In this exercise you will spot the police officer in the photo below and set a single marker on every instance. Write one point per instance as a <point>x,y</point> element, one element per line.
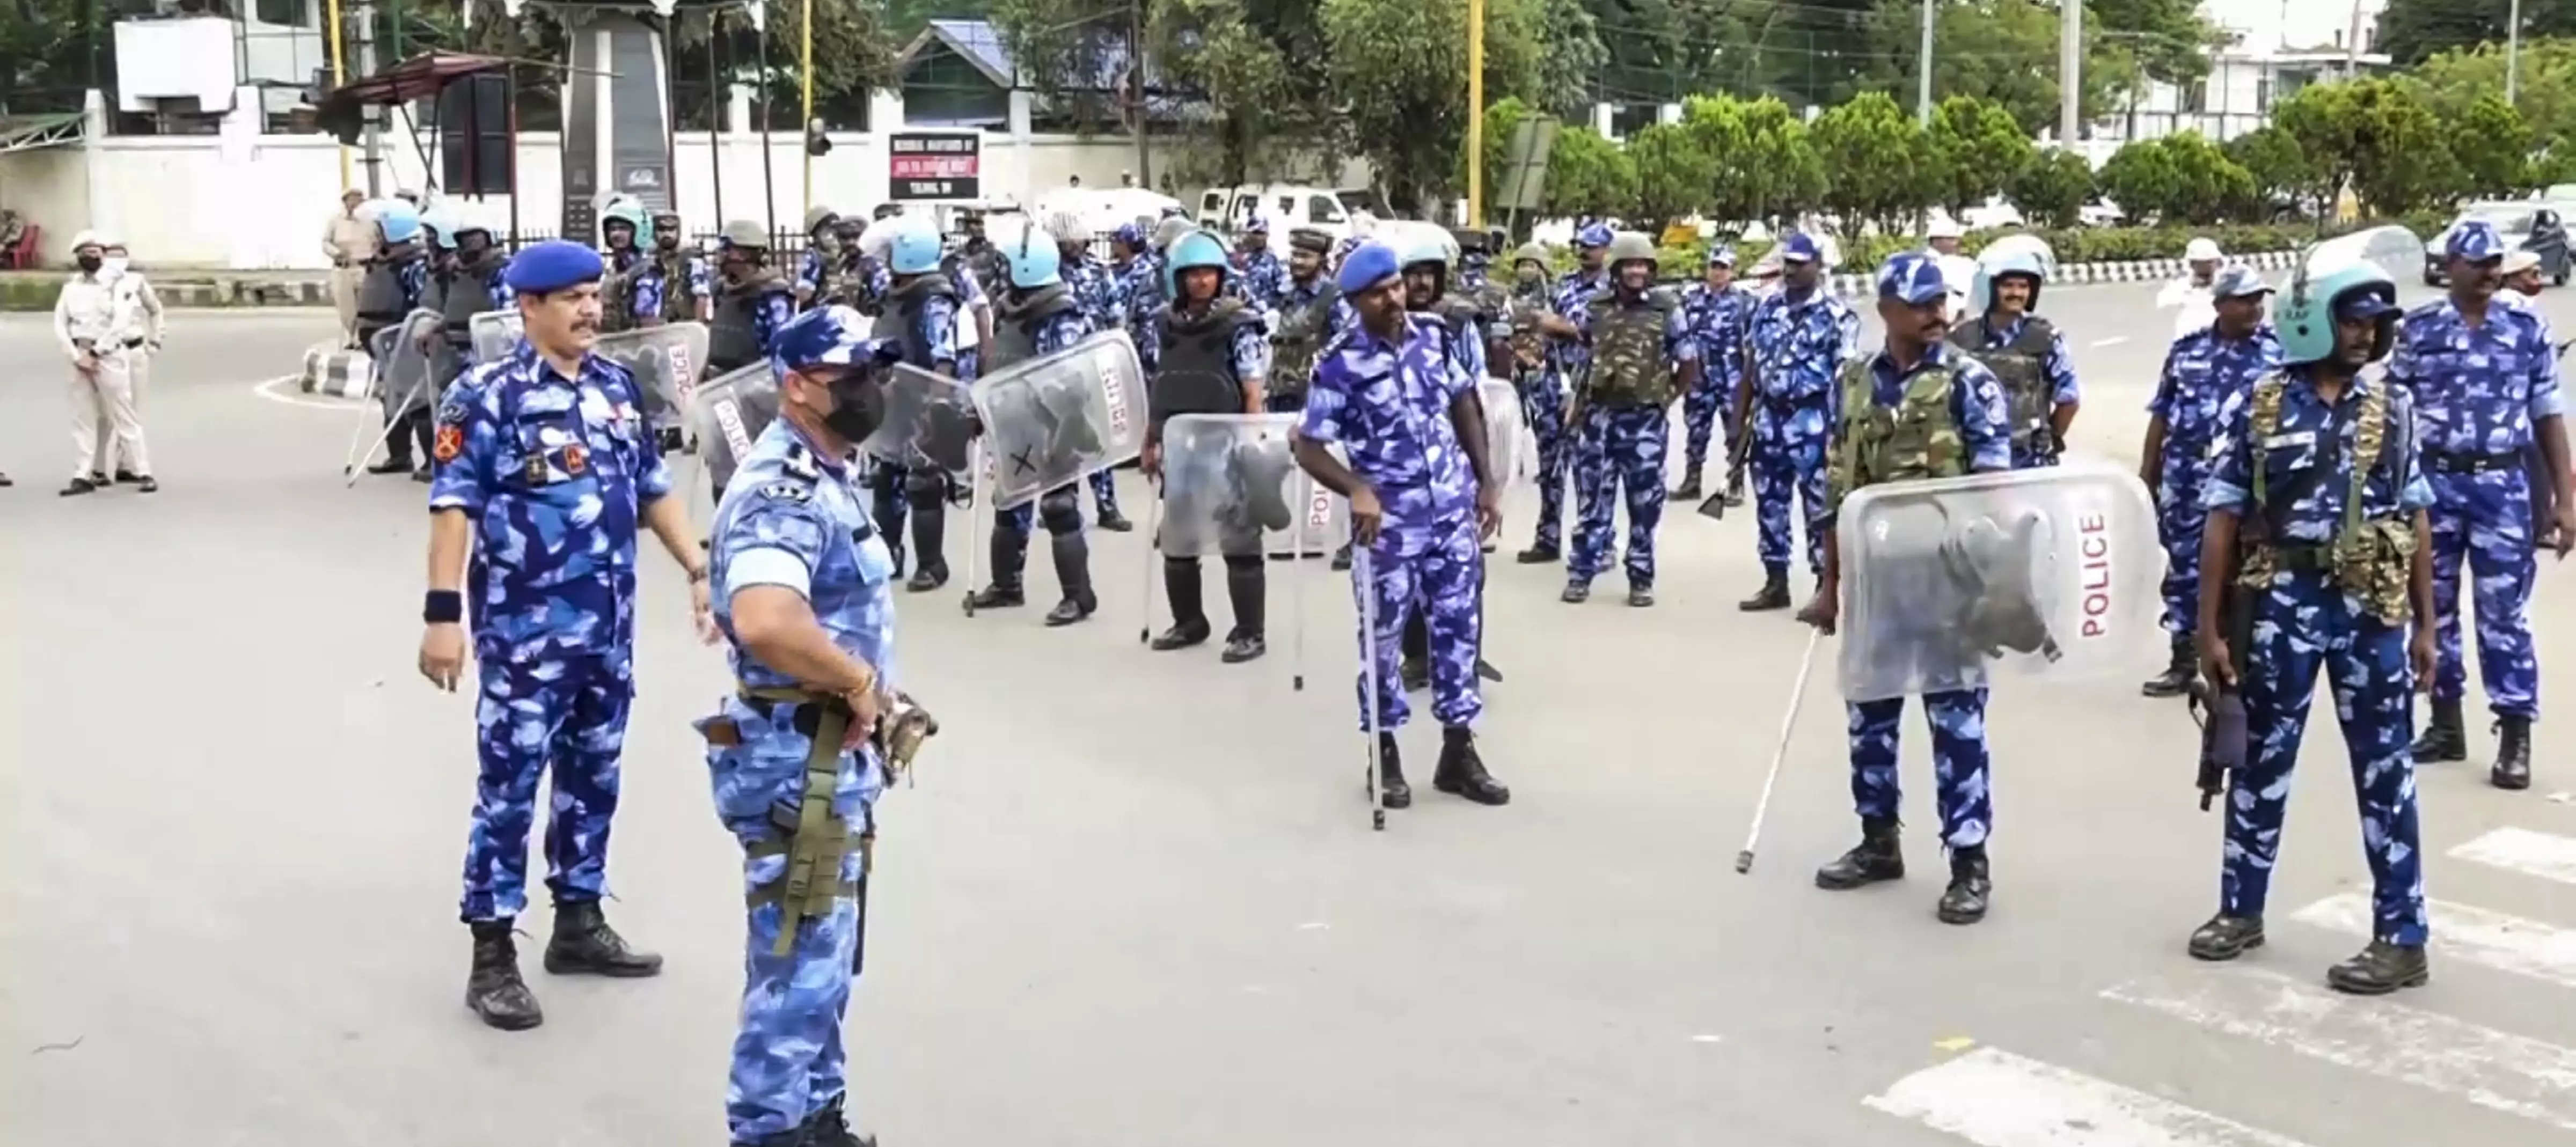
<point>544,472</point>
<point>1257,276</point>
<point>921,317</point>
<point>1039,316</point>
<point>1802,337</point>
<point>1915,381</point>
<point>2189,294</point>
<point>622,229</point>
<point>2315,556</point>
<point>1636,339</point>
<point>1525,299</point>
<point>1418,506</point>
<point>1130,262</point>
<point>806,603</point>
<point>1544,400</point>
<point>1310,313</point>
<point>1716,311</point>
<point>2027,353</point>
<point>1459,332</point>
<point>1211,356</point>
<point>673,285</point>
<point>2202,369</point>
<point>967,270</point>
<point>752,302</point>
<point>396,277</point>
<point>1095,290</point>
<point>822,249</point>
<point>2485,380</point>
<point>99,327</point>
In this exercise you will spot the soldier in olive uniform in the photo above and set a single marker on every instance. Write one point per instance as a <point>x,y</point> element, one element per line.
<point>1637,355</point>
<point>1310,313</point>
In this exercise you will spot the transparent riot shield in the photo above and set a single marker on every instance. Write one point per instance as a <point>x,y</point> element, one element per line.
<point>1230,486</point>
<point>2394,250</point>
<point>665,361</point>
<point>728,414</point>
<point>929,422</point>
<point>1956,582</point>
<point>405,377</point>
<point>1061,418</point>
<point>1504,428</point>
<point>495,334</point>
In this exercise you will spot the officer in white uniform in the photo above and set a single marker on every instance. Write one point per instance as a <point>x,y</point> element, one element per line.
<point>99,328</point>
<point>115,267</point>
<point>2191,291</point>
<point>1958,272</point>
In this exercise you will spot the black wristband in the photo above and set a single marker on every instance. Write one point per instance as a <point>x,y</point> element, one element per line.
<point>443,607</point>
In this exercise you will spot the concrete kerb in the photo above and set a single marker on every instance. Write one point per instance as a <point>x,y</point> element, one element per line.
<point>337,372</point>
<point>2097,274</point>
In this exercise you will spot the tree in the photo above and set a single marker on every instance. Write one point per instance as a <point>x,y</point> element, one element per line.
<point>1979,148</point>
<point>2206,184</point>
<point>1400,66</point>
<point>2373,136</point>
<point>2413,31</point>
<point>1675,172</point>
<point>1571,59</point>
<point>2140,178</point>
<point>2053,189</point>
<point>1589,176</point>
<point>2003,51</point>
<point>2492,147</point>
<point>1879,158</point>
<point>1782,171</point>
<point>2544,89</point>
<point>46,57</point>
<point>2276,170</point>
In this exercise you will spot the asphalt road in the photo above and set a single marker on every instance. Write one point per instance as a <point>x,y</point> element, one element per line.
<point>1134,899</point>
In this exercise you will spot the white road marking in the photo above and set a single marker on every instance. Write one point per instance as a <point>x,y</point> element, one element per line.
<point>283,392</point>
<point>2522,850</point>
<point>2495,1070</point>
<point>2114,340</point>
<point>2507,943</point>
<point>1997,1099</point>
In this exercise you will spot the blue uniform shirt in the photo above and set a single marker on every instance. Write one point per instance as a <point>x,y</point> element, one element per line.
<point>1387,404</point>
<point>653,288</point>
<point>1977,404</point>
<point>554,473</point>
<point>413,274</point>
<point>1262,277</point>
<point>1062,330</point>
<point>2476,390</point>
<point>2395,485</point>
<point>1574,292</point>
<point>1089,279</point>
<point>1340,317</point>
<point>2201,371</point>
<point>770,310</point>
<point>1720,321</point>
<point>1799,345</point>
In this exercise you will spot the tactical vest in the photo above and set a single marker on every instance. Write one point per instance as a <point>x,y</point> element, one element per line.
<point>1299,340</point>
<point>901,321</point>
<point>678,305</point>
<point>733,339</point>
<point>845,281</point>
<point>2372,559</point>
<point>380,295</point>
<point>2022,366</point>
<point>1195,372</point>
<point>465,294</point>
<point>617,291</point>
<point>1016,326</point>
<point>1628,367</point>
<point>1529,346</point>
<point>1917,438</point>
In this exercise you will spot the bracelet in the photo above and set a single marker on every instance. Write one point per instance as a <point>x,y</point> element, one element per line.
<point>443,607</point>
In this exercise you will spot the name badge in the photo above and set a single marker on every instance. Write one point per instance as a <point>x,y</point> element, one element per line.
<point>2286,441</point>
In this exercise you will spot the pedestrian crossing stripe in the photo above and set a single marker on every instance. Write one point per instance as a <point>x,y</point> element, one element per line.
<point>2521,850</point>
<point>2493,939</point>
<point>1994,1098</point>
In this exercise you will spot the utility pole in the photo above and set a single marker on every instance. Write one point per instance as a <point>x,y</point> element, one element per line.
<point>1923,65</point>
<point>1136,81</point>
<point>1475,113</point>
<point>2070,71</point>
<point>365,12</point>
<point>2512,49</point>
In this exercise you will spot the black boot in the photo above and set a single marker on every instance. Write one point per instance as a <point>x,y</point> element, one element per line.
<point>1010,553</point>
<point>929,546</point>
<point>2380,969</point>
<point>1576,593</point>
<point>76,487</point>
<point>1641,596</point>
<point>1392,792</point>
<point>1182,590</point>
<point>1877,857</point>
<point>2513,754</point>
<point>493,989</point>
<point>1540,553</point>
<point>1690,484</point>
<point>1111,520</point>
<point>2446,736</point>
<point>1964,901</point>
<point>1461,772</point>
<point>1246,588</point>
<point>1414,673</point>
<point>584,944</point>
<point>126,477</point>
<point>1774,594</point>
<point>2226,937</point>
<point>2179,673</point>
<point>393,464</point>
<point>1073,572</point>
<point>830,1127</point>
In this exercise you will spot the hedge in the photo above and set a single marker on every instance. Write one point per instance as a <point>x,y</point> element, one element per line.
<point>1862,254</point>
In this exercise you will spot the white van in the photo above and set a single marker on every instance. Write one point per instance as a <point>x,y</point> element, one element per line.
<point>1288,205</point>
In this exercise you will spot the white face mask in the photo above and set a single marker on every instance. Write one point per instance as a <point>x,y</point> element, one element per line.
<point>112,266</point>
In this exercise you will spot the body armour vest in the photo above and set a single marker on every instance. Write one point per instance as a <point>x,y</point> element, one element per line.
<point>901,321</point>
<point>1017,322</point>
<point>1300,341</point>
<point>465,294</point>
<point>1195,373</point>
<point>733,339</point>
<point>1916,438</point>
<point>617,291</point>
<point>678,305</point>
<point>1628,367</point>
<point>2021,366</point>
<point>380,294</point>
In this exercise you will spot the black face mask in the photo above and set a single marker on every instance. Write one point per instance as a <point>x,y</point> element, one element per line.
<point>858,407</point>
<point>89,263</point>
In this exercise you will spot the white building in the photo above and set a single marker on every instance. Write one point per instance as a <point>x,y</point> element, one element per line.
<point>2278,48</point>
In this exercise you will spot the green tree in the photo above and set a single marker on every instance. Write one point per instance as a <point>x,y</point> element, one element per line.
<point>1572,56</point>
<point>1589,175</point>
<point>1676,173</point>
<point>1979,147</point>
<point>2140,177</point>
<point>1399,67</point>
<point>2492,147</point>
<point>2276,172</point>
<point>1787,173</point>
<point>2003,51</point>
<point>1501,120</point>
<point>46,57</point>
<point>2052,191</point>
<point>2544,90</point>
<point>2413,31</point>
<point>2207,185</point>
<point>1879,158</point>
<point>2373,136</point>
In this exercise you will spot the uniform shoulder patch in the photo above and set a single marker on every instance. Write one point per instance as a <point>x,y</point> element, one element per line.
<point>800,463</point>
<point>788,492</point>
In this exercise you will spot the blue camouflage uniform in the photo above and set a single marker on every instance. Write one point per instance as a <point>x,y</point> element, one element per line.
<point>1096,294</point>
<point>2202,370</point>
<point>1719,321</point>
<point>554,473</point>
<point>1621,447</point>
<point>1387,404</point>
<point>653,288</point>
<point>1140,297</point>
<point>1799,346</point>
<point>1543,400</point>
<point>971,300</point>
<point>2038,447</point>
<point>795,518</point>
<point>810,271</point>
<point>2303,621</point>
<point>2479,392</point>
<point>1260,276</point>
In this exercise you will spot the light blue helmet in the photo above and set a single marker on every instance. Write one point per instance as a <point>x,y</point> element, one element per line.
<point>1192,250</point>
<point>2305,314</point>
<point>915,250</point>
<point>1035,262</point>
<point>825,336</point>
<point>440,222</point>
<point>399,221</point>
<point>1421,251</point>
<point>1981,296</point>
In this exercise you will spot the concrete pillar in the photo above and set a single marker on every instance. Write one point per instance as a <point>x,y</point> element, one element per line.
<point>101,206</point>
<point>1668,113</point>
<point>238,142</point>
<point>885,114</point>
<point>1601,120</point>
<point>1022,106</point>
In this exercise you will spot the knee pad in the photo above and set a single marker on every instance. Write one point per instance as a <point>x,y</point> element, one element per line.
<point>1061,511</point>
<point>925,486</point>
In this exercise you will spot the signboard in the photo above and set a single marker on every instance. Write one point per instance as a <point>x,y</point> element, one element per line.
<point>1525,165</point>
<point>934,165</point>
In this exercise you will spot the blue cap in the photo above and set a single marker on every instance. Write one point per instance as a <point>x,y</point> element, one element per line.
<point>2236,281</point>
<point>550,266</point>
<point>1910,276</point>
<point>1592,235</point>
<point>1129,234</point>
<point>2475,241</point>
<point>1721,255</point>
<point>1798,248</point>
<point>1257,225</point>
<point>2365,303</point>
<point>1373,263</point>
<point>828,336</point>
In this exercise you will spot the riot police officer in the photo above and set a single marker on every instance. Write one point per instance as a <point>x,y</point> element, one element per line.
<point>1039,316</point>
<point>1211,357</point>
<point>396,278</point>
<point>2025,351</point>
<point>752,302</point>
<point>921,317</point>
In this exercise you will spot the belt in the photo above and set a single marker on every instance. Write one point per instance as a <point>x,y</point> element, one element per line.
<point>2302,559</point>
<point>2451,462</point>
<point>815,838</point>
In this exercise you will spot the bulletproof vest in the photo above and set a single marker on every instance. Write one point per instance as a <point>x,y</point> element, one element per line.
<point>1299,340</point>
<point>617,292</point>
<point>845,281</point>
<point>1015,334</point>
<point>2021,365</point>
<point>1628,367</point>
<point>1917,438</point>
<point>985,261</point>
<point>2371,559</point>
<point>901,321</point>
<point>1195,372</point>
<point>1529,347</point>
<point>380,295</point>
<point>465,294</point>
<point>733,339</point>
<point>678,305</point>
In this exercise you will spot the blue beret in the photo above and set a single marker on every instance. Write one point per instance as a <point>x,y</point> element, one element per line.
<point>1366,267</point>
<point>550,266</point>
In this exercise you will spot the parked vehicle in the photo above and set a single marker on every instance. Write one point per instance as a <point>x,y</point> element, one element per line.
<point>1288,205</point>
<point>2539,228</point>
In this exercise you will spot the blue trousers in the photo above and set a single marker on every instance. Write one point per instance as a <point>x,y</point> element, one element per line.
<point>1438,575</point>
<point>1616,449</point>
<point>789,1060</point>
<point>1543,406</point>
<point>1961,784</point>
<point>2180,521</point>
<point>1788,462</point>
<point>1104,493</point>
<point>570,713</point>
<point>1703,408</point>
<point>2484,520</point>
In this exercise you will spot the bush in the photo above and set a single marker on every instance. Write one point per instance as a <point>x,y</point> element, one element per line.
<point>2072,245</point>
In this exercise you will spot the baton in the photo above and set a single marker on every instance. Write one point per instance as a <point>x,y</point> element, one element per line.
<point>1788,722</point>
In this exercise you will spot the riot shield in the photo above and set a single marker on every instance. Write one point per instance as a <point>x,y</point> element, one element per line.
<point>1952,583</point>
<point>2394,250</point>
<point>406,379</point>
<point>1503,427</point>
<point>1063,417</point>
<point>929,423</point>
<point>495,334</point>
<point>728,414</point>
<point>1230,487</point>
<point>665,361</point>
